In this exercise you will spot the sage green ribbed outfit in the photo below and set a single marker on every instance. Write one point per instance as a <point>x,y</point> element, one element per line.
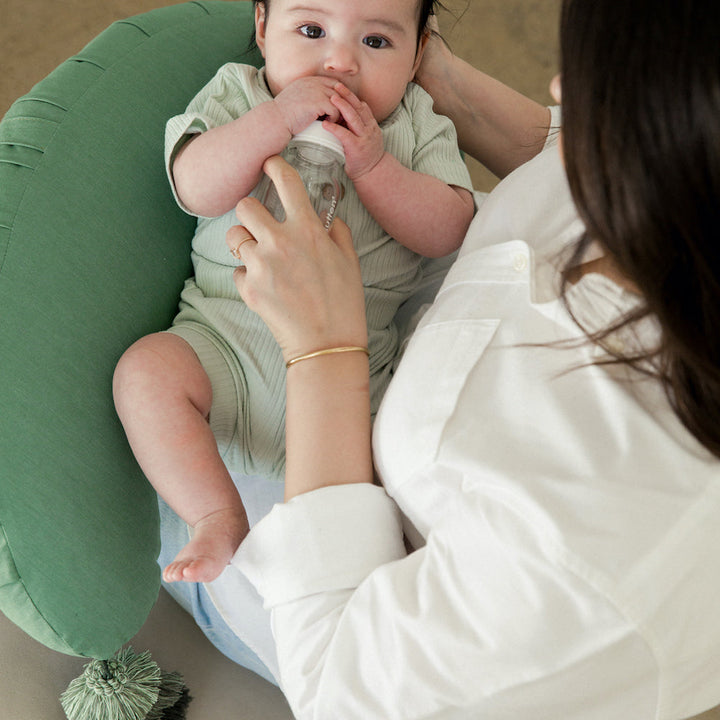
<point>235,347</point>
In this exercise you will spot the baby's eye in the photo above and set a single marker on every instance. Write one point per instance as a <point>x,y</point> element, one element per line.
<point>375,41</point>
<point>312,31</point>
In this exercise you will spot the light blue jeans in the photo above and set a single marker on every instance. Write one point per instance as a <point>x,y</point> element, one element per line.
<point>194,598</point>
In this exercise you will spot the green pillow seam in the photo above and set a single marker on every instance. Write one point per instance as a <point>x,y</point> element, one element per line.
<point>12,584</point>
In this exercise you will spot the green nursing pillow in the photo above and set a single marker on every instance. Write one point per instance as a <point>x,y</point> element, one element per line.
<point>93,254</point>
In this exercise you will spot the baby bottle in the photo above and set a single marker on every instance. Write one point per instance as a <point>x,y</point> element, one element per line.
<point>319,158</point>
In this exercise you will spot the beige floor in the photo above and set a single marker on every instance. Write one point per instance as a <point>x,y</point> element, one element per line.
<point>514,40</point>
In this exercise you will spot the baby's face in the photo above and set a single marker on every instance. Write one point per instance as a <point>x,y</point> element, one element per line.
<point>369,45</point>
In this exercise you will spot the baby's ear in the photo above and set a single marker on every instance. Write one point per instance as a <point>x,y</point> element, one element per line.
<point>422,44</point>
<point>260,22</point>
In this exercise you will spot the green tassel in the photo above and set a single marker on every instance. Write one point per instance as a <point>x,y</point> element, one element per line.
<point>126,687</point>
<point>173,699</point>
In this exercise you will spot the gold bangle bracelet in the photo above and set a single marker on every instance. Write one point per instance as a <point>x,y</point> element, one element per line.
<point>328,351</point>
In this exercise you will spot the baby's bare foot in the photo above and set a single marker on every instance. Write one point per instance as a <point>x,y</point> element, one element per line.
<point>215,539</point>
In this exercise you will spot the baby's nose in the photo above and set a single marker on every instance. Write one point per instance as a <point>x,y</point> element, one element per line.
<point>341,59</point>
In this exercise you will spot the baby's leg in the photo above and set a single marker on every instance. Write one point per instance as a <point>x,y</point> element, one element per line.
<point>163,398</point>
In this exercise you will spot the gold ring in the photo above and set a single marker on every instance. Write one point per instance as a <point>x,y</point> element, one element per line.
<point>235,252</point>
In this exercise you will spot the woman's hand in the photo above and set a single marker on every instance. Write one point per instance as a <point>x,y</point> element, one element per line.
<point>303,281</point>
<point>305,284</point>
<point>435,66</point>
<point>496,125</point>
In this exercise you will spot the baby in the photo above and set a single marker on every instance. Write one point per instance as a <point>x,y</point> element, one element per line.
<point>208,394</point>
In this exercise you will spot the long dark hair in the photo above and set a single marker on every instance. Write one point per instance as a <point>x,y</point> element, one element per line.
<point>641,138</point>
<point>426,9</point>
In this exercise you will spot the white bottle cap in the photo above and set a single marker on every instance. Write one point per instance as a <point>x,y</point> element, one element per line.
<point>315,133</point>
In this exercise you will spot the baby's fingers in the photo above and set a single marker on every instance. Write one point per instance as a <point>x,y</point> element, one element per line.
<point>348,95</point>
<point>355,112</point>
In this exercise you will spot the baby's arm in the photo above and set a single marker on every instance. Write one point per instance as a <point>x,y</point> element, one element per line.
<point>216,169</point>
<point>421,212</point>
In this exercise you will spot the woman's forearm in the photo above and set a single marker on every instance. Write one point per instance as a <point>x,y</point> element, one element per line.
<point>498,126</point>
<point>328,423</point>
<point>305,283</point>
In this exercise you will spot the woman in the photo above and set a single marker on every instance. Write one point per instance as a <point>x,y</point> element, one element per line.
<point>550,444</point>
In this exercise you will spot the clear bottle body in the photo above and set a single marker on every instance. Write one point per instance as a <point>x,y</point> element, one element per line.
<point>319,161</point>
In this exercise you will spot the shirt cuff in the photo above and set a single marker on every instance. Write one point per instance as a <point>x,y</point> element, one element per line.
<point>325,540</point>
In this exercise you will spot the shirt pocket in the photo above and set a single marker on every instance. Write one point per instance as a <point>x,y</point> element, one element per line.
<point>424,393</point>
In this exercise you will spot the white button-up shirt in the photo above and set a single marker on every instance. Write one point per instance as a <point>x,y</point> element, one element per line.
<point>565,525</point>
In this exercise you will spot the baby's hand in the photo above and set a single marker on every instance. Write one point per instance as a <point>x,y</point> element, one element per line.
<point>305,100</point>
<point>361,137</point>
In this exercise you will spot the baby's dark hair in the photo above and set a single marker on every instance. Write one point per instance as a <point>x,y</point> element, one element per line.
<point>426,9</point>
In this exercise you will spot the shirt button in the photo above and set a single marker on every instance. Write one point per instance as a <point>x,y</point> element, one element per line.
<point>520,261</point>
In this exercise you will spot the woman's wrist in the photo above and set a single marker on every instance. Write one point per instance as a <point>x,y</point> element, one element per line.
<point>328,423</point>
<point>337,349</point>
<point>308,342</point>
